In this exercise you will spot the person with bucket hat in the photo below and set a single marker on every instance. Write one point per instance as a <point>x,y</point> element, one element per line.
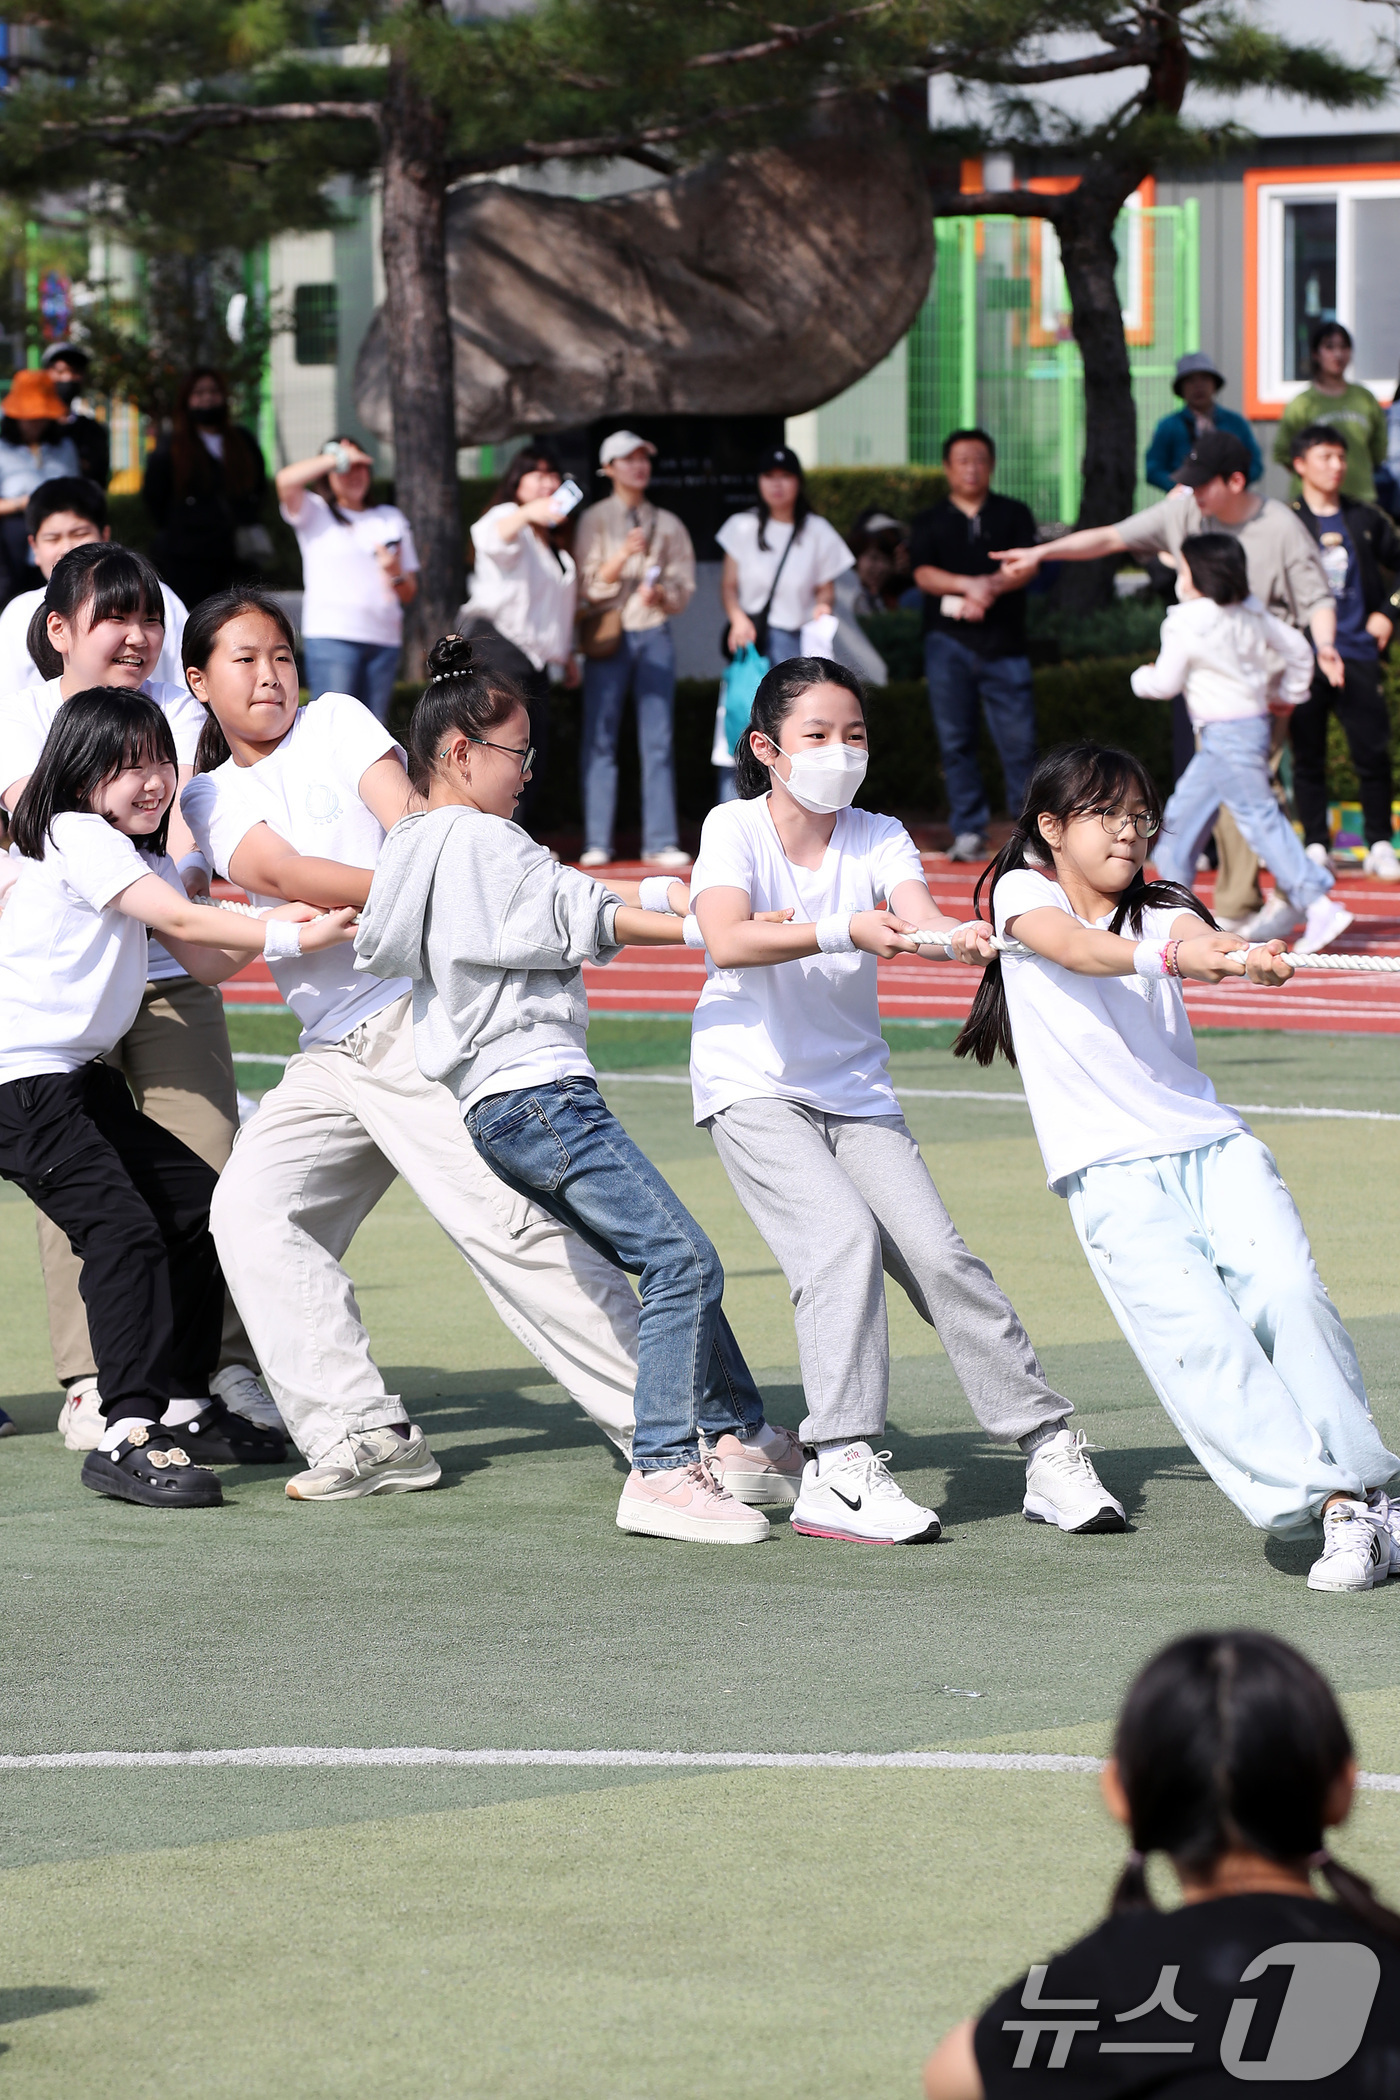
<point>636,572</point>
<point>1196,385</point>
<point>33,449</point>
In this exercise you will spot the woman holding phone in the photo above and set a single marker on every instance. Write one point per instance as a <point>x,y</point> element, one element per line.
<point>519,616</point>
<point>359,571</point>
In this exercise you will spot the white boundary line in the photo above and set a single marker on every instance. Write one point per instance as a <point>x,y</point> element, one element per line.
<point>304,1755</point>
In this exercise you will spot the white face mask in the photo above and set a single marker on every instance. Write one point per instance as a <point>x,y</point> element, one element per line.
<point>825,780</point>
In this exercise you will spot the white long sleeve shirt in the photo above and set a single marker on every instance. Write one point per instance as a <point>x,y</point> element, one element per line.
<point>1230,661</point>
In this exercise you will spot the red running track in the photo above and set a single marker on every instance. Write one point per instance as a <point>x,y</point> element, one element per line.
<point>669,981</point>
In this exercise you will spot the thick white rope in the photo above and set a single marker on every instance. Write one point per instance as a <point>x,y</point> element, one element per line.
<point>1350,965</point>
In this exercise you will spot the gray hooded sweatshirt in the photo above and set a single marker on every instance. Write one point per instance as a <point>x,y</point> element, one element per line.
<point>493,934</point>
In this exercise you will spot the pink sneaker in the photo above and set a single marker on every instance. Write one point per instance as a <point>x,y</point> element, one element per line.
<point>687,1502</point>
<point>750,1473</point>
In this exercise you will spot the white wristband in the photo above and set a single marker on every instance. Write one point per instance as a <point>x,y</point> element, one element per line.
<point>694,938</point>
<point>1150,959</point>
<point>654,892</point>
<point>283,940</point>
<point>834,934</point>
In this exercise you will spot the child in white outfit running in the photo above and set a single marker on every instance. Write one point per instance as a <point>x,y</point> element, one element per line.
<point>1236,664</point>
<point>1188,1228</point>
<point>790,1077</point>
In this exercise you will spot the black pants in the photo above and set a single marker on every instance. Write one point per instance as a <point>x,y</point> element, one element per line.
<point>500,654</point>
<point>1365,719</point>
<point>134,1203</point>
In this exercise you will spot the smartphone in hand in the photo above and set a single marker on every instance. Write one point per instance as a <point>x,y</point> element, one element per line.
<point>566,497</point>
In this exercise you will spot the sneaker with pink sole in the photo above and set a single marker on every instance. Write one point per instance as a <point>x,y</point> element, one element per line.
<point>759,1472</point>
<point>687,1502</point>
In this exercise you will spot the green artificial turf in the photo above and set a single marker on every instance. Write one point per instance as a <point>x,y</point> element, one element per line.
<point>507,1931</point>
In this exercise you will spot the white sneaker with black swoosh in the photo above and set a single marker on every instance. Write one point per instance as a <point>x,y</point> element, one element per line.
<point>860,1501</point>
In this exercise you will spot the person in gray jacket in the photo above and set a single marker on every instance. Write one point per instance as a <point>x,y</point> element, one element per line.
<point>493,935</point>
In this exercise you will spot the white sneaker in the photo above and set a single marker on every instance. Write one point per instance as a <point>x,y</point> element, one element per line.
<point>1387,1512</point>
<point>1325,921</point>
<point>1318,854</point>
<point>80,1419</point>
<point>241,1393</point>
<point>1383,862</point>
<point>1356,1550</point>
<point>595,857</point>
<point>1276,922</point>
<point>859,1500</point>
<point>377,1462</point>
<point>969,845</point>
<point>687,1502</point>
<point>669,857</point>
<point>1063,1488</point>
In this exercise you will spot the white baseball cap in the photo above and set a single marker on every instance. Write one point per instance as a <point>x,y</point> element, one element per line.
<point>619,444</point>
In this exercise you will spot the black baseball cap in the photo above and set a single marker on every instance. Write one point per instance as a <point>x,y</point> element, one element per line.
<point>1216,453</point>
<point>779,459</point>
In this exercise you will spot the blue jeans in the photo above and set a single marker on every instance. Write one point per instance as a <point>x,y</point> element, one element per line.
<point>646,663</point>
<point>782,643</point>
<point>1232,766</point>
<point>958,678</point>
<point>366,669</point>
<point>560,1145</point>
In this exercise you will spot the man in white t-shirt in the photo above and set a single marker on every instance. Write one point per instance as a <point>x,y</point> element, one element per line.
<point>352,1112</point>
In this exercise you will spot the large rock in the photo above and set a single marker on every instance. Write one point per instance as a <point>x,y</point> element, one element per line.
<point>760,284</point>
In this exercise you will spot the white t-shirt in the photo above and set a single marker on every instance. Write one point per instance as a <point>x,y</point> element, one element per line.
<point>18,668</point>
<point>1108,1063</point>
<point>72,970</point>
<point>807,1030</point>
<point>526,590</point>
<point>820,556</point>
<point>347,597</point>
<point>308,792</point>
<point>26,716</point>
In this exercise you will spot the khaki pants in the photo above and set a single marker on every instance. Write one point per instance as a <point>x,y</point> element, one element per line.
<point>308,1169</point>
<point>175,1057</point>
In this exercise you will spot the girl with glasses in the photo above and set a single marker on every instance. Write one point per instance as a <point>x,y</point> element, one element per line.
<point>1187,1226</point>
<point>1236,665</point>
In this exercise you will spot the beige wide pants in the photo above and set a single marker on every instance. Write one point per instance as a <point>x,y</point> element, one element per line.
<point>307,1170</point>
<point>176,1059</point>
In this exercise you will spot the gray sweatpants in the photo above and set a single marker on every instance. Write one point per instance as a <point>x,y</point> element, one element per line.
<point>841,1199</point>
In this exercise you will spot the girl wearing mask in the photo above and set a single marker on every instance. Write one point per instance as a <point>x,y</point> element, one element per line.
<point>790,1076</point>
<point>204,485</point>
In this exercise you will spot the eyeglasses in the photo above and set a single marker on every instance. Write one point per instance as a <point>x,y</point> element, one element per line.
<point>526,757</point>
<point>1114,820</point>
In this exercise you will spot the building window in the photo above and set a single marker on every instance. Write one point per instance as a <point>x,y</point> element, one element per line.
<point>317,332</point>
<point>1321,244</point>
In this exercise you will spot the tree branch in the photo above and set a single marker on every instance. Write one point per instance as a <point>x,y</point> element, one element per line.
<point>989,204</point>
<point>784,38</point>
<point>1140,53</point>
<point>188,123</point>
<point>623,145</point>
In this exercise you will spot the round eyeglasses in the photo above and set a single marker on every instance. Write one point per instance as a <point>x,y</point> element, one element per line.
<point>1114,822</point>
<point>526,757</point>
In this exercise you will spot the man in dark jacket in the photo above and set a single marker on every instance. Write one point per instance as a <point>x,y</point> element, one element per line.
<point>1356,542</point>
<point>67,364</point>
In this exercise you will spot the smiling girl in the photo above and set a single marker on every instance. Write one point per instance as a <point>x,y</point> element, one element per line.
<point>791,1078</point>
<point>91,830</point>
<point>1188,1228</point>
<point>101,622</point>
<point>295,803</point>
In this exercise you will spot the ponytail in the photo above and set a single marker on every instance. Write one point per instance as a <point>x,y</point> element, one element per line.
<point>463,696</point>
<point>1356,1897</point>
<point>1067,782</point>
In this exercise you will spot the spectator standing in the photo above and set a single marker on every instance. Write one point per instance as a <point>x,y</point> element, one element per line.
<point>33,449</point>
<point>636,569</point>
<point>359,570</point>
<point>781,562</point>
<point>1196,385</point>
<point>524,592</point>
<point>1356,542</point>
<point>974,635</point>
<point>204,484</point>
<point>69,512</point>
<point>68,364</point>
<point>881,576</point>
<point>1347,406</point>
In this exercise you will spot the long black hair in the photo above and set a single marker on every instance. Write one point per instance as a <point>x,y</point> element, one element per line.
<point>93,737</point>
<point>112,582</point>
<point>202,629</point>
<point>1067,782</point>
<point>778,694</point>
<point>801,509</point>
<point>464,696</point>
<point>1229,1740</point>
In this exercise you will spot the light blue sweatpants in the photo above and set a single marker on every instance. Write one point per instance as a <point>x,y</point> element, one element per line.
<point>1204,1261</point>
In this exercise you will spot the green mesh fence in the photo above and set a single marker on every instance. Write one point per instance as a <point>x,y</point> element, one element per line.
<point>992,345</point>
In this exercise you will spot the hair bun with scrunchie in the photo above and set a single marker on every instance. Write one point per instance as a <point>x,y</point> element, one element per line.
<point>450,658</point>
